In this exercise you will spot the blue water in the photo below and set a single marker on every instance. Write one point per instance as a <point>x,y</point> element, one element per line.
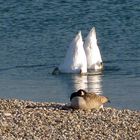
<point>34,36</point>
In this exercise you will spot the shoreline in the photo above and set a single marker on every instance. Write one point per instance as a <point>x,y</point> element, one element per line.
<point>50,121</point>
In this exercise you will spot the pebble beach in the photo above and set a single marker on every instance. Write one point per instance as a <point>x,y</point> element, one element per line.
<point>27,120</point>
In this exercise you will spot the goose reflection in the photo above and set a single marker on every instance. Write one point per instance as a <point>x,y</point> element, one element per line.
<point>91,83</point>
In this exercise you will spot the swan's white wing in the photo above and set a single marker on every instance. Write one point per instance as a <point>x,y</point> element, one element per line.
<point>92,50</point>
<point>75,59</point>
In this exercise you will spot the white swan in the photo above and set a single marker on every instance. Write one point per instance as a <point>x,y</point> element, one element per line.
<point>75,60</point>
<point>94,60</point>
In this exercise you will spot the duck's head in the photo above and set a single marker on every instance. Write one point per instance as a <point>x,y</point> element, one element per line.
<point>80,93</point>
<point>56,71</point>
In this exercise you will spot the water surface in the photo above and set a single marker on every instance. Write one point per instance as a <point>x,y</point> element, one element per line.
<point>34,36</point>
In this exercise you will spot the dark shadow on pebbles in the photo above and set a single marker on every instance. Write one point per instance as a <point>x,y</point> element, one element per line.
<point>51,106</point>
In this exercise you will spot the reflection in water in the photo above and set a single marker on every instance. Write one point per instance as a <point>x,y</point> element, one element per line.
<point>95,83</point>
<point>80,82</point>
<point>91,83</point>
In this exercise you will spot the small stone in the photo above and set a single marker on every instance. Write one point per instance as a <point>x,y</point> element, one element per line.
<point>7,114</point>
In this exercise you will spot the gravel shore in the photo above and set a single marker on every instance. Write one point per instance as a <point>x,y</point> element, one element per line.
<point>27,120</point>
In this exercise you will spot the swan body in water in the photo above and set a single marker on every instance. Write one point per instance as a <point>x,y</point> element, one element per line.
<point>75,60</point>
<point>93,55</point>
<point>80,58</point>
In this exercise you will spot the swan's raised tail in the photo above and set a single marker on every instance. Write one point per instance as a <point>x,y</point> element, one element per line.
<point>75,60</point>
<point>94,60</point>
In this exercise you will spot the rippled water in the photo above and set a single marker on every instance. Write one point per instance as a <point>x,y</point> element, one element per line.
<point>34,36</point>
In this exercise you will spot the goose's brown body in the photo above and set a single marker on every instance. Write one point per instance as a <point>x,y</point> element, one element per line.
<point>87,100</point>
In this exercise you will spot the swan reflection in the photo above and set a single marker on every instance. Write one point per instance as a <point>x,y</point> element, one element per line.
<point>91,83</point>
<point>95,83</point>
<point>80,82</point>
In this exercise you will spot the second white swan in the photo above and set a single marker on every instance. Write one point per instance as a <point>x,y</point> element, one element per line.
<point>93,55</point>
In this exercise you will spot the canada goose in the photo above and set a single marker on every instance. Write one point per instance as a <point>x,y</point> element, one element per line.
<point>87,100</point>
<point>75,60</point>
<point>94,60</point>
